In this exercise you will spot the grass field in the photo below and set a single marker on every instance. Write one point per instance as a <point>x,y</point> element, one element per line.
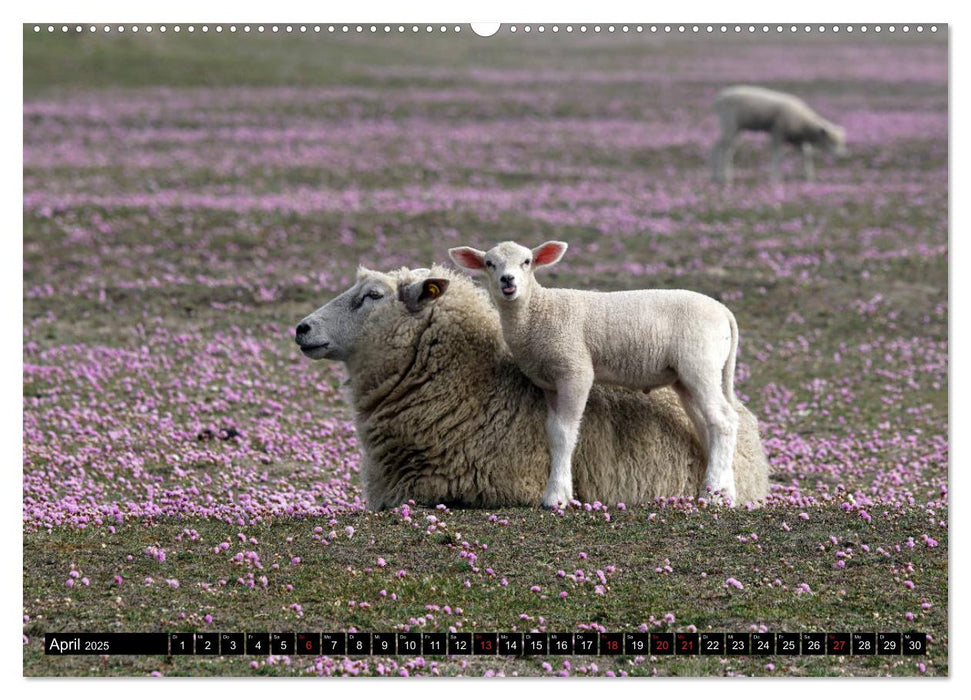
<point>187,199</point>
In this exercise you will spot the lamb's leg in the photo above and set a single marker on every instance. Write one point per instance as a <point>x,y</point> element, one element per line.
<point>562,429</point>
<point>721,420</point>
<point>722,156</point>
<point>775,167</point>
<point>694,414</point>
<point>716,165</point>
<point>808,170</point>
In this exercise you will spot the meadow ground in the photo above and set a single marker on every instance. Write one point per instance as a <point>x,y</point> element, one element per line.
<point>187,199</point>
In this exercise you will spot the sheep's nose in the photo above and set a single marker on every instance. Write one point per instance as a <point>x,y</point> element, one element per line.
<point>506,279</point>
<point>303,328</point>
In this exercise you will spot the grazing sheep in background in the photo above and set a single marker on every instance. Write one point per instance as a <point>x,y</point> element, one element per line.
<point>445,416</point>
<point>787,118</point>
<point>566,339</point>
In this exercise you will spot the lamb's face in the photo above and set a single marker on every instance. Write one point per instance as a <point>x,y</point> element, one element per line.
<point>509,266</point>
<point>332,331</point>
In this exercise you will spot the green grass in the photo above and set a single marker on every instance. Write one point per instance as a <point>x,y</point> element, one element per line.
<point>704,550</point>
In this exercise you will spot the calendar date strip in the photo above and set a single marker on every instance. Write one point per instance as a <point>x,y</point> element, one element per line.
<point>488,643</point>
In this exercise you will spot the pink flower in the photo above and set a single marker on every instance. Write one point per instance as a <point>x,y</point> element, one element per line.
<point>733,582</point>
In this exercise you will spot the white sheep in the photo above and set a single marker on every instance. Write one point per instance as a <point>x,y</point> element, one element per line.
<point>785,117</point>
<point>566,339</point>
<point>444,415</point>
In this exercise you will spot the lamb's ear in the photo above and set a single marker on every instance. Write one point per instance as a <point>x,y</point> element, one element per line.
<point>417,295</point>
<point>548,253</point>
<point>467,258</point>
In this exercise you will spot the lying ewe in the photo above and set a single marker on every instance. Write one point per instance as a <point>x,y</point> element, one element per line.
<point>787,118</point>
<point>445,416</point>
<point>565,339</point>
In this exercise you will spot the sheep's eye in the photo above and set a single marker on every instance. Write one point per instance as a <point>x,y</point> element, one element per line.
<point>374,294</point>
<point>526,264</point>
<point>489,264</point>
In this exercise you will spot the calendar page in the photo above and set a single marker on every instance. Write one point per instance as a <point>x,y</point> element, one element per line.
<point>517,349</point>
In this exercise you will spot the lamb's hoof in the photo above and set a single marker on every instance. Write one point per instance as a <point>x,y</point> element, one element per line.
<point>557,500</point>
<point>724,496</point>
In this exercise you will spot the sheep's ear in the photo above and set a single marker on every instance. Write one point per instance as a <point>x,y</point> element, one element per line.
<point>548,253</point>
<point>417,295</point>
<point>467,258</point>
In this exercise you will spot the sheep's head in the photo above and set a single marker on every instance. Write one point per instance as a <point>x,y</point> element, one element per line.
<point>832,138</point>
<point>509,266</point>
<point>330,332</point>
<point>334,331</point>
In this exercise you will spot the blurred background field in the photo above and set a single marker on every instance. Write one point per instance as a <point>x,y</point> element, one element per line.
<point>188,198</point>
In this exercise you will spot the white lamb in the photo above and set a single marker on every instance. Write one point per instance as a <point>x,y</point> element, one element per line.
<point>788,119</point>
<point>565,339</point>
